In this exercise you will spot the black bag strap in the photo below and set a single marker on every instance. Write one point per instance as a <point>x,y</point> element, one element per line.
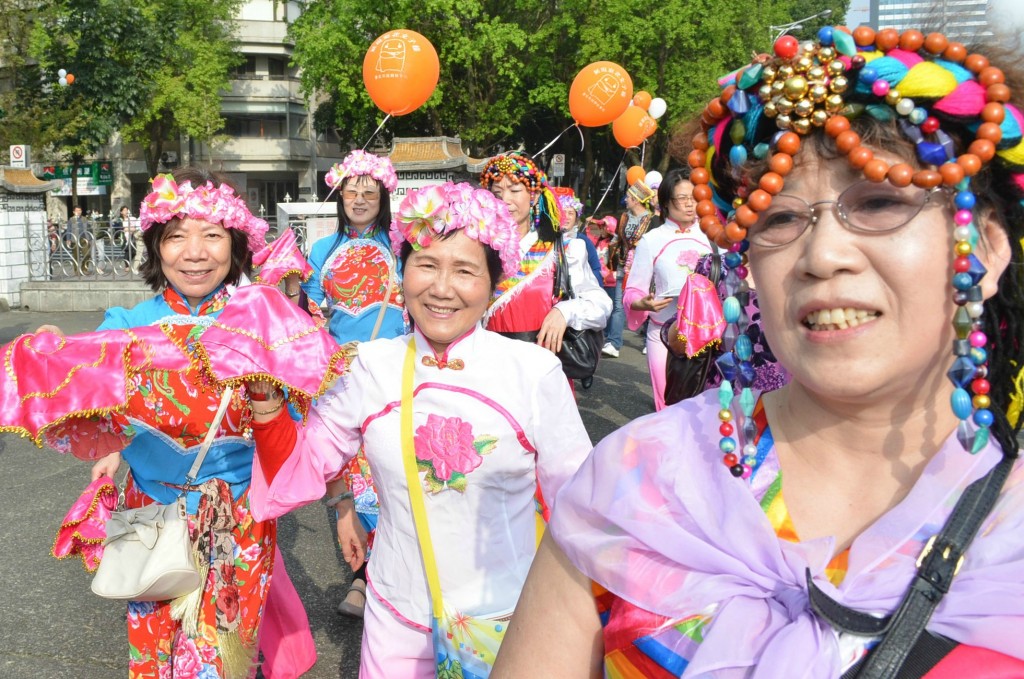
<point>938,564</point>
<point>563,282</point>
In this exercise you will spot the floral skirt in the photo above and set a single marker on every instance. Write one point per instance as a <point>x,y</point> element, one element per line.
<point>159,646</point>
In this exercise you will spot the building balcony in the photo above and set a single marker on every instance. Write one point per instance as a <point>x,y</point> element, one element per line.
<point>262,87</point>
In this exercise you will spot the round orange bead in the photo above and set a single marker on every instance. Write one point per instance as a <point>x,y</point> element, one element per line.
<point>927,179</point>
<point>709,223</point>
<point>771,182</point>
<point>863,35</point>
<point>716,108</point>
<point>860,156</point>
<point>911,40</point>
<point>700,141</point>
<point>936,43</point>
<point>970,163</point>
<point>990,75</point>
<point>998,92</point>
<point>982,148</point>
<point>837,125</point>
<point>781,163</point>
<point>727,94</point>
<point>696,158</point>
<point>955,52</point>
<point>900,174</point>
<point>887,39</point>
<point>745,216</point>
<point>875,170</point>
<point>989,131</point>
<point>759,201</point>
<point>975,63</point>
<point>702,192</point>
<point>735,232</point>
<point>699,175</point>
<point>952,174</point>
<point>704,207</point>
<point>994,112</point>
<point>847,141</point>
<point>789,143</point>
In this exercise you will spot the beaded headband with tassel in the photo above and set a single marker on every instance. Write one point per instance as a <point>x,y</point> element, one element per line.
<point>520,168</point>
<point>767,108</point>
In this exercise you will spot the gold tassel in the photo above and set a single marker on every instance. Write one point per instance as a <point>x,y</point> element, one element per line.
<point>1016,399</point>
<point>186,608</point>
<point>236,657</point>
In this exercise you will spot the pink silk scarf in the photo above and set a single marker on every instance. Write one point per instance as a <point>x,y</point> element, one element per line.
<point>700,322</point>
<point>68,390</point>
<point>83,529</point>
<point>281,258</point>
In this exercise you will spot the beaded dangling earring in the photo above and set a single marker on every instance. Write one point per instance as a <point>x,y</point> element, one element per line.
<point>969,372</point>
<point>535,215</point>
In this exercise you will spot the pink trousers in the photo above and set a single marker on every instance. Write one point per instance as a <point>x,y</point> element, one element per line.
<point>657,359</point>
<point>392,647</point>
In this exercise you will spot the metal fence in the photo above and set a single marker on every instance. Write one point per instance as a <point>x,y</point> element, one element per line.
<point>103,251</point>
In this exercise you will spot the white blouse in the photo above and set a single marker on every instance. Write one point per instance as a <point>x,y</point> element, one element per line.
<point>666,256</point>
<point>485,433</point>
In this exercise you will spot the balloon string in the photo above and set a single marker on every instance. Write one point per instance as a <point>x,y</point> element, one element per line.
<point>643,150</point>
<point>582,142</point>
<point>341,180</point>
<point>618,168</point>
<point>386,118</point>
<point>550,143</point>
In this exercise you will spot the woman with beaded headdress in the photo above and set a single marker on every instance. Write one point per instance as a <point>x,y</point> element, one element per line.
<point>872,183</point>
<point>523,304</point>
<point>356,276</point>
<point>492,418</point>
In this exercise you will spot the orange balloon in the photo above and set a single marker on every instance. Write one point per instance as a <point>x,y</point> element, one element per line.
<point>632,127</point>
<point>400,71</point>
<point>635,174</point>
<point>642,99</point>
<point>599,94</point>
<point>70,78</point>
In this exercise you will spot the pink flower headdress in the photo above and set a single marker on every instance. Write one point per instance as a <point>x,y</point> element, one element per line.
<point>443,208</point>
<point>359,164</point>
<point>217,205</point>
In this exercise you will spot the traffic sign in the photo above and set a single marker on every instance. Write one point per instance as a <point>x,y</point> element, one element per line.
<point>558,165</point>
<point>19,155</point>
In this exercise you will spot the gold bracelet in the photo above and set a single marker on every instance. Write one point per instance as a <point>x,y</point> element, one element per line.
<point>292,294</point>
<point>268,412</point>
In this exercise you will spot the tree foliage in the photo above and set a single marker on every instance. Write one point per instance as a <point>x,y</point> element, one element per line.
<point>506,67</point>
<point>151,68</point>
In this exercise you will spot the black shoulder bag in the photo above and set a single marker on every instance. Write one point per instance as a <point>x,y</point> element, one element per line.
<point>686,377</point>
<point>906,650</point>
<point>581,349</point>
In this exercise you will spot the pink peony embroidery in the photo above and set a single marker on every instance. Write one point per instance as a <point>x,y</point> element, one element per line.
<point>688,258</point>
<point>447,443</point>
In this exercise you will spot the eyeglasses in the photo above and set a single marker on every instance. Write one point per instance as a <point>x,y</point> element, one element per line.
<point>368,196</point>
<point>863,207</point>
<point>685,199</point>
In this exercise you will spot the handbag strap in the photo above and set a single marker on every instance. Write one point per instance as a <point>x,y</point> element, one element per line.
<point>563,281</point>
<point>384,304</point>
<point>412,480</point>
<point>211,433</point>
<point>938,564</point>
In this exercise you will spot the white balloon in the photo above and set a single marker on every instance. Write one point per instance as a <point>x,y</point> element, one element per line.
<point>653,179</point>
<point>61,73</point>
<point>63,81</point>
<point>657,108</point>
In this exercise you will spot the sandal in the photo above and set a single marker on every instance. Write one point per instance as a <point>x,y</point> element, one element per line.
<point>355,599</point>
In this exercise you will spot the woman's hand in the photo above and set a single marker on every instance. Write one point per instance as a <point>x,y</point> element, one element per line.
<point>291,285</point>
<point>651,303</point>
<point>351,535</point>
<point>106,466</point>
<point>266,399</point>
<point>551,330</point>
<point>50,328</point>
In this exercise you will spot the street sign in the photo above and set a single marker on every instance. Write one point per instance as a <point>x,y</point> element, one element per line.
<point>19,155</point>
<point>558,165</point>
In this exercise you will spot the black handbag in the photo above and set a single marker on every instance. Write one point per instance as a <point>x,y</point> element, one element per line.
<point>581,349</point>
<point>686,377</point>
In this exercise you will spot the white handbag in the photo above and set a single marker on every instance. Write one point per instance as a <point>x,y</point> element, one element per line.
<point>147,554</point>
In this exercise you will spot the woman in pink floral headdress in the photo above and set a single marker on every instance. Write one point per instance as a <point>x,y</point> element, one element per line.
<point>494,420</point>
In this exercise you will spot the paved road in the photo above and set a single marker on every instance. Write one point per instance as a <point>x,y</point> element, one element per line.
<point>53,627</point>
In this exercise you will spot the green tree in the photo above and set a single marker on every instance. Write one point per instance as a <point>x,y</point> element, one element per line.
<point>194,53</point>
